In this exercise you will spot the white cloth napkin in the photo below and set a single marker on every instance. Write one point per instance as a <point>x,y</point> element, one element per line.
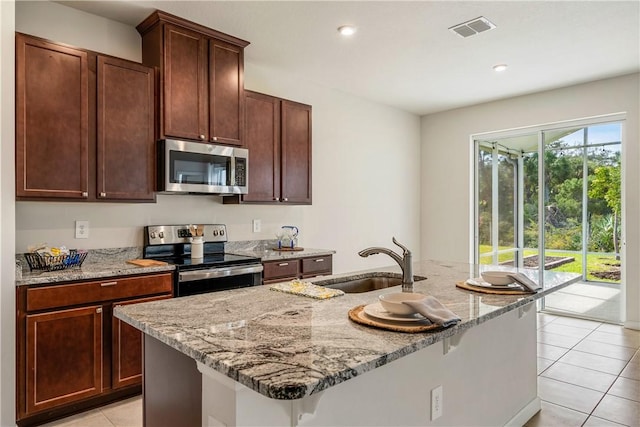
<point>433,310</point>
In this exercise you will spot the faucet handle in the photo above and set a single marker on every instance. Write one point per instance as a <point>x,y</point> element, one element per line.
<point>404,248</point>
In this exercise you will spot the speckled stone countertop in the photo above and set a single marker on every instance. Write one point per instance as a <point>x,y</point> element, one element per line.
<point>287,346</point>
<point>98,264</point>
<point>263,249</point>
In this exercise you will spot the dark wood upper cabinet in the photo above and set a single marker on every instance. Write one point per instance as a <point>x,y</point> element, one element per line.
<point>52,120</point>
<point>262,136</point>
<point>296,152</point>
<point>185,84</point>
<point>201,74</point>
<point>84,124</point>
<point>125,145</point>
<point>278,136</point>
<point>226,93</point>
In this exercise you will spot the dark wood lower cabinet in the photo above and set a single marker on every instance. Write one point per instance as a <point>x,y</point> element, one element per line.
<point>126,350</point>
<point>72,354</point>
<point>64,357</point>
<point>296,268</point>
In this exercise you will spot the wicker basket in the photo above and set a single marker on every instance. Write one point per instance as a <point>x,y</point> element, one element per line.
<point>51,263</point>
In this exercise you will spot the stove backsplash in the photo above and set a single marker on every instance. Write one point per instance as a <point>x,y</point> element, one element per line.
<point>250,245</point>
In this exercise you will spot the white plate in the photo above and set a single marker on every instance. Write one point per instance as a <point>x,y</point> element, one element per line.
<point>481,283</point>
<point>376,311</point>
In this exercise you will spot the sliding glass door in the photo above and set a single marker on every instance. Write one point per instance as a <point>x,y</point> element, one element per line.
<point>551,198</point>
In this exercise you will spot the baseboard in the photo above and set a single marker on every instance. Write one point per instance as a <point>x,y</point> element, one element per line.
<point>525,414</point>
<point>630,324</point>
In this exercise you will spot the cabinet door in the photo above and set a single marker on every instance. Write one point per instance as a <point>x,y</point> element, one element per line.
<point>64,357</point>
<point>262,137</point>
<point>296,153</point>
<point>52,120</point>
<point>125,150</point>
<point>126,350</point>
<point>226,98</point>
<point>185,84</point>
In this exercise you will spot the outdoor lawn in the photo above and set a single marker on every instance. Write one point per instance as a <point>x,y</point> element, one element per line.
<point>599,263</point>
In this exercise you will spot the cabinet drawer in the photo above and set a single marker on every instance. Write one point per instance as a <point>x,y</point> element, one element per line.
<point>275,269</point>
<point>114,288</point>
<point>316,264</point>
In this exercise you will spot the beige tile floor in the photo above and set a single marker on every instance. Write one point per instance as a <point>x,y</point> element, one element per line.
<point>588,375</point>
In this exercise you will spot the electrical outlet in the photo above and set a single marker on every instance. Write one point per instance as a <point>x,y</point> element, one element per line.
<point>436,403</point>
<point>82,229</point>
<point>257,225</point>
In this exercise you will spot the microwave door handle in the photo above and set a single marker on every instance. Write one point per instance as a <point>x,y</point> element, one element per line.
<point>232,174</point>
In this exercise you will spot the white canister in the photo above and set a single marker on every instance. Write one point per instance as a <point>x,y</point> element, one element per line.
<point>196,247</point>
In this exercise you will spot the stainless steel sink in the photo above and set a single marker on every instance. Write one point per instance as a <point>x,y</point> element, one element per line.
<point>365,282</point>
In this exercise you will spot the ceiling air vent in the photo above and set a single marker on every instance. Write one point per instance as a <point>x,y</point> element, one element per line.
<point>473,27</point>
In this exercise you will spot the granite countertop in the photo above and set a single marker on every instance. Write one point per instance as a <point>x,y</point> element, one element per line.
<point>112,262</point>
<point>98,264</point>
<point>287,346</point>
<point>269,254</point>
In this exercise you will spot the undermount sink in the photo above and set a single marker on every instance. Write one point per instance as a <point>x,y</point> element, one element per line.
<point>365,282</point>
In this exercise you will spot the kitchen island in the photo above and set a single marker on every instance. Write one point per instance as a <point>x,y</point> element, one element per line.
<point>254,356</point>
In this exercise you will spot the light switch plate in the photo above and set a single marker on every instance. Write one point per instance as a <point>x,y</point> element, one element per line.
<point>257,225</point>
<point>82,229</point>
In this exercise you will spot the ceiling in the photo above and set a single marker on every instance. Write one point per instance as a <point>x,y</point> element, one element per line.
<point>403,54</point>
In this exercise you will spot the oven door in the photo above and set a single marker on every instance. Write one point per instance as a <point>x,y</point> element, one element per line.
<point>193,167</point>
<point>192,282</point>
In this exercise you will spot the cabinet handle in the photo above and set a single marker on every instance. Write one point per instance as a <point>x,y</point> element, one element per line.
<point>285,199</point>
<point>215,138</point>
<point>283,264</point>
<point>108,284</point>
<point>103,194</point>
<point>201,136</point>
<point>319,260</point>
<point>99,310</point>
<point>277,199</point>
<point>85,194</point>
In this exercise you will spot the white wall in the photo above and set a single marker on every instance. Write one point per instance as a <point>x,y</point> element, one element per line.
<point>7,215</point>
<point>365,166</point>
<point>446,158</point>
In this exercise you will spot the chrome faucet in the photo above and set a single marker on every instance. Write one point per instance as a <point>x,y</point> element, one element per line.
<point>404,262</point>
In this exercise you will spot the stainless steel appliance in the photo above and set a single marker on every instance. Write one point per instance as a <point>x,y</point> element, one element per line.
<point>197,167</point>
<point>215,271</point>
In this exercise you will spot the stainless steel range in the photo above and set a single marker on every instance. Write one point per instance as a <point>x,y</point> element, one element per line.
<point>214,271</point>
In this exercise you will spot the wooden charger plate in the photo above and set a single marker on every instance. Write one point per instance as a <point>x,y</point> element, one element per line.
<point>357,315</point>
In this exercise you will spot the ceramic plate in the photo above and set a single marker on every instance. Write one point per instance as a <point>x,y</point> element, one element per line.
<point>483,284</point>
<point>376,311</point>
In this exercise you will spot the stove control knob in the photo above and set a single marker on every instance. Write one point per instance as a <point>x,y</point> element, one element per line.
<point>161,234</point>
<point>152,235</point>
<point>222,232</point>
<point>215,232</point>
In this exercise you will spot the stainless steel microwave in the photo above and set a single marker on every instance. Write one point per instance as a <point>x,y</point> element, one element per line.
<point>196,167</point>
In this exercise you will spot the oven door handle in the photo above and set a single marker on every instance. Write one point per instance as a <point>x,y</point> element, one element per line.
<point>189,276</point>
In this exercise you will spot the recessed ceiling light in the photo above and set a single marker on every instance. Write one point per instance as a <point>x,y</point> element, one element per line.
<point>347,30</point>
<point>500,67</point>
